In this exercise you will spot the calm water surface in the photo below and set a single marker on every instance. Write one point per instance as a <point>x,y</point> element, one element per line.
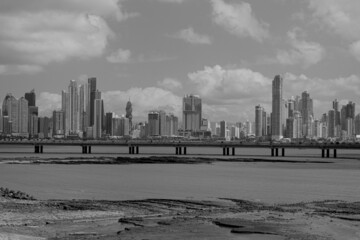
<point>267,182</point>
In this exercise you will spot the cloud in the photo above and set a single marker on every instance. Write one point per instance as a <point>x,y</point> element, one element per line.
<point>44,37</point>
<point>355,50</point>
<point>219,83</point>
<point>303,52</point>
<point>341,17</point>
<point>239,20</point>
<point>170,84</point>
<point>103,8</point>
<point>48,102</point>
<point>19,69</point>
<point>190,36</point>
<point>119,56</point>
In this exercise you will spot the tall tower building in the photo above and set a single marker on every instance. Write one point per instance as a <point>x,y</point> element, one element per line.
<point>223,129</point>
<point>82,108</point>
<point>91,99</point>
<point>73,107</point>
<point>259,121</point>
<point>129,113</point>
<point>306,112</point>
<point>23,116</point>
<point>192,112</point>
<point>154,123</point>
<point>58,122</point>
<point>276,121</point>
<point>331,123</point>
<point>10,110</point>
<point>31,98</point>
<point>98,117</point>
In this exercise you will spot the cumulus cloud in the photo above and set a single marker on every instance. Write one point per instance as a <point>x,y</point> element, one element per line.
<point>303,52</point>
<point>119,56</point>
<point>39,32</point>
<point>238,19</point>
<point>219,83</point>
<point>341,17</point>
<point>41,38</point>
<point>170,84</point>
<point>190,36</point>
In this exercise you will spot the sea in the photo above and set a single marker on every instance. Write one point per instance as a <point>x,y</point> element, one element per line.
<point>308,177</point>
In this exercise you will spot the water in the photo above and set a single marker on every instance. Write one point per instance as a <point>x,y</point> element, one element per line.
<point>265,182</point>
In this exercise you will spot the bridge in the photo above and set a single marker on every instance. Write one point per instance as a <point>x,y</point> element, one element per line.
<point>181,146</point>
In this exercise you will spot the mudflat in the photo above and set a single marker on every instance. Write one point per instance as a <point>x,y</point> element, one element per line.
<point>24,217</point>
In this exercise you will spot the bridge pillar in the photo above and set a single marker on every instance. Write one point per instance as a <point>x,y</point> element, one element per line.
<point>224,151</point>
<point>277,152</point>
<point>272,152</point>
<point>89,150</point>
<point>228,151</point>
<point>36,149</point>
<point>335,154</point>
<point>84,149</point>
<point>328,153</point>
<point>184,150</point>
<point>233,151</point>
<point>322,152</point>
<point>283,152</point>
<point>179,150</point>
<point>176,150</point>
<point>41,149</point>
<point>137,149</point>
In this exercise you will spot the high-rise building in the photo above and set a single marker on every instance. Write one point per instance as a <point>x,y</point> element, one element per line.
<point>83,123</point>
<point>58,123</point>
<point>91,99</point>
<point>192,112</point>
<point>31,98</point>
<point>109,123</point>
<point>23,116</point>
<point>291,107</point>
<point>154,123</point>
<point>259,121</point>
<point>306,112</point>
<point>331,123</point>
<point>73,107</point>
<point>223,129</point>
<point>98,117</point>
<point>128,110</point>
<point>357,124</point>
<point>162,123</point>
<point>276,121</point>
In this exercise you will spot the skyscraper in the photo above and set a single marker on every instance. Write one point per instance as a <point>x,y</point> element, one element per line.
<point>129,113</point>
<point>276,121</point>
<point>31,98</point>
<point>73,107</point>
<point>11,110</point>
<point>58,122</point>
<point>223,129</point>
<point>331,123</point>
<point>98,117</point>
<point>154,123</point>
<point>91,99</point>
<point>192,112</point>
<point>306,112</point>
<point>23,116</point>
<point>259,121</point>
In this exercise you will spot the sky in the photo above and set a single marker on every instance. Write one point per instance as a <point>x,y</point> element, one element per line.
<point>153,52</point>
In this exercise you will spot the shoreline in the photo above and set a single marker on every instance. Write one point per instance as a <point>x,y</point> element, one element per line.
<point>151,160</point>
<point>166,218</point>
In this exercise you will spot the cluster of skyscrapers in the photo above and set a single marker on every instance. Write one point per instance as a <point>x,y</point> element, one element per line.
<point>294,118</point>
<point>82,115</point>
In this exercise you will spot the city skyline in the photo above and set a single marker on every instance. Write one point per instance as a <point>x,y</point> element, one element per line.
<point>225,51</point>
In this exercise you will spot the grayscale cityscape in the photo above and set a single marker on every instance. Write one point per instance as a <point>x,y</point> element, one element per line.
<point>179,119</point>
<point>83,116</point>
